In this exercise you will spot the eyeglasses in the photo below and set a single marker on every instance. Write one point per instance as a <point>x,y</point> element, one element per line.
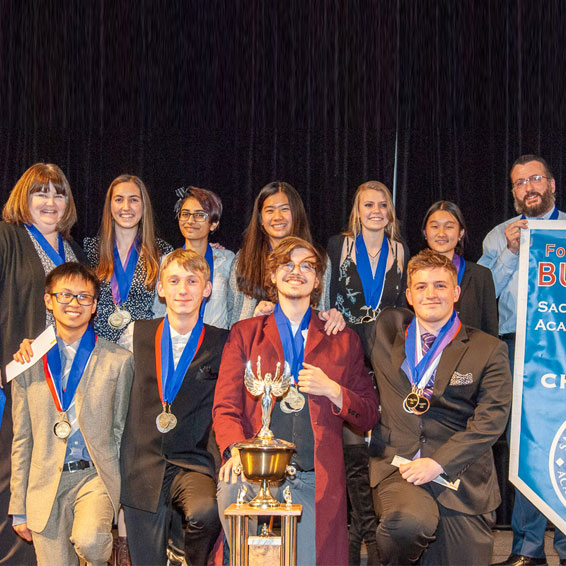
<point>198,216</point>
<point>65,298</point>
<point>304,267</point>
<point>534,180</point>
<point>46,196</point>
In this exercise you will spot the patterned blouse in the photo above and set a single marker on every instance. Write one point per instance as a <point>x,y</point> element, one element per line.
<point>346,291</point>
<point>139,302</point>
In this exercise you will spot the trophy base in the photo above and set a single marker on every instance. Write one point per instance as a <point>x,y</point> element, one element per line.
<point>264,499</point>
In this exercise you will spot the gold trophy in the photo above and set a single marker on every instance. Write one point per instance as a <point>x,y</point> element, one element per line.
<point>263,457</point>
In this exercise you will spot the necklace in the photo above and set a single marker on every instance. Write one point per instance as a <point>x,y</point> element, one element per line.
<point>374,255</point>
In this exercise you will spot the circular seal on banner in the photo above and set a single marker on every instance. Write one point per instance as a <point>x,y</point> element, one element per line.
<point>557,463</point>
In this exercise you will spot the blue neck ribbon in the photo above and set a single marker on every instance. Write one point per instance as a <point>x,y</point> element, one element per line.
<point>293,346</point>
<point>86,346</point>
<point>415,371</point>
<point>56,258</point>
<point>171,378</point>
<point>460,264</point>
<point>371,284</point>
<point>121,279</point>
<point>553,216</point>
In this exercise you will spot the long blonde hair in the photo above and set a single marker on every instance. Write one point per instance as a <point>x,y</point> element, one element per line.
<point>355,225</point>
<point>149,252</point>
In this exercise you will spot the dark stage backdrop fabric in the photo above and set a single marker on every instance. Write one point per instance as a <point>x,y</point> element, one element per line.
<point>434,98</point>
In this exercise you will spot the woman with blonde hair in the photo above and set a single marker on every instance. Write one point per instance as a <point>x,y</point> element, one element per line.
<point>369,259</point>
<point>35,237</point>
<point>368,273</point>
<point>126,256</point>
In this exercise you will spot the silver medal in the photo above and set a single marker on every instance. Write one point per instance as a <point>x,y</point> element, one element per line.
<point>62,428</point>
<point>293,401</point>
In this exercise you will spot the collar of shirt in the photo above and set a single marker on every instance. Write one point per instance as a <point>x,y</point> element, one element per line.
<point>178,342</point>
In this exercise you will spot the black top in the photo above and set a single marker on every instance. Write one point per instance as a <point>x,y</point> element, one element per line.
<point>145,450</point>
<point>346,291</point>
<point>296,428</point>
<point>139,302</point>
<point>477,306</point>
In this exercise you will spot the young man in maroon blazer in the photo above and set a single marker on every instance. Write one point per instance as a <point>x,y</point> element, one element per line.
<point>330,385</point>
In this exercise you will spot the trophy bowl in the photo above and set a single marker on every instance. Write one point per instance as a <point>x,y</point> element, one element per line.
<point>266,460</point>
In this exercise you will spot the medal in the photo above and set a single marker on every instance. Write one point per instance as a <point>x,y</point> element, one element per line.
<point>120,284</point>
<point>53,376</point>
<point>62,428</point>
<point>119,319</point>
<point>293,401</point>
<point>169,378</point>
<point>411,400</point>
<point>422,406</point>
<point>166,420</point>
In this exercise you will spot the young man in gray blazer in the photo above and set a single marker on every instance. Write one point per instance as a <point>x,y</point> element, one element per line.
<point>69,411</point>
<point>445,392</point>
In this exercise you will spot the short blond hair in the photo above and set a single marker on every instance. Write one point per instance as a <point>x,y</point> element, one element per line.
<point>188,260</point>
<point>428,259</point>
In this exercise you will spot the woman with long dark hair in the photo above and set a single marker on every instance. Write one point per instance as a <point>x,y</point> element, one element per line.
<point>444,229</point>
<point>278,212</point>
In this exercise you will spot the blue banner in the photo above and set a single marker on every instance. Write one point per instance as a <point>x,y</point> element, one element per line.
<point>538,421</point>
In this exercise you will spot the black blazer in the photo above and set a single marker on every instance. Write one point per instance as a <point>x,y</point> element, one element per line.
<point>463,422</point>
<point>146,451</point>
<point>477,306</point>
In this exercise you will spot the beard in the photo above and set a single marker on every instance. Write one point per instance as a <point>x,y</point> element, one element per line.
<point>545,204</point>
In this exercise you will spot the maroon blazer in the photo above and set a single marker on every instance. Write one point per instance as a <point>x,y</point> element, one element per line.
<point>237,415</point>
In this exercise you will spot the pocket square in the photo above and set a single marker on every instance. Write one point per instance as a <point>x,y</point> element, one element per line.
<point>461,378</point>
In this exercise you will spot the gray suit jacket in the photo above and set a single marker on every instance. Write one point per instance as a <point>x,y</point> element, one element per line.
<point>38,456</point>
<point>468,411</point>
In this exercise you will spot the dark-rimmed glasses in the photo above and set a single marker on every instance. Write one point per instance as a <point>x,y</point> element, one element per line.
<point>65,298</point>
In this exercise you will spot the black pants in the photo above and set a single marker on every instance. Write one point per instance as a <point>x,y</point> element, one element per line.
<point>194,495</point>
<point>412,525</point>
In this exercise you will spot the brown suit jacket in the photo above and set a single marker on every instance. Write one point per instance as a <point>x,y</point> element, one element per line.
<point>468,412</point>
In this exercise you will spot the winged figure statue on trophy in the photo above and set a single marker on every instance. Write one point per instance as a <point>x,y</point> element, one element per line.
<point>269,386</point>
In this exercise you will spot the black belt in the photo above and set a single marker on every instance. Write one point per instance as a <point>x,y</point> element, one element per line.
<point>77,465</point>
<point>509,336</point>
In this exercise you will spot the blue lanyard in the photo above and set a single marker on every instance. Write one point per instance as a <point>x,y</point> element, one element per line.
<point>54,369</point>
<point>414,370</point>
<point>171,378</point>
<point>121,279</point>
<point>293,346</point>
<point>371,284</point>
<point>56,258</point>
<point>460,264</point>
<point>553,216</point>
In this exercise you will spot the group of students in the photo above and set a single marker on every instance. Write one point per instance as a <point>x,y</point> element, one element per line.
<point>172,309</point>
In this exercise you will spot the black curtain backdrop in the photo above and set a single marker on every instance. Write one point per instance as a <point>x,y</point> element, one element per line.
<point>434,98</point>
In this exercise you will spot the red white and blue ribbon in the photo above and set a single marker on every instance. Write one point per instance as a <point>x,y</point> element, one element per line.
<point>169,379</point>
<point>53,370</point>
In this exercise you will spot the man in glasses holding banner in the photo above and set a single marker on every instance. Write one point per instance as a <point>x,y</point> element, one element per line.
<point>445,393</point>
<point>330,385</point>
<point>69,409</point>
<point>534,191</point>
<point>167,453</point>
